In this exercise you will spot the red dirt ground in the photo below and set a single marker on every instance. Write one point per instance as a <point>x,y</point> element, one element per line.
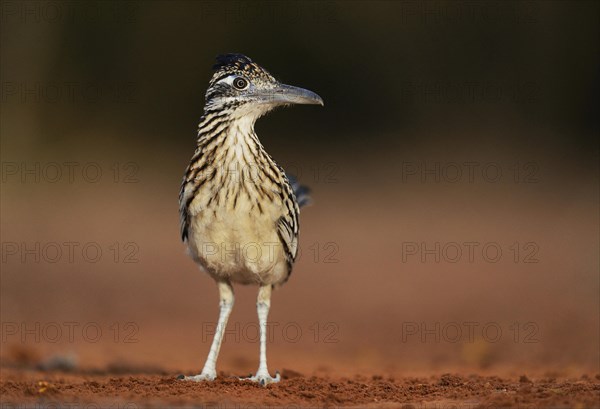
<point>43,389</point>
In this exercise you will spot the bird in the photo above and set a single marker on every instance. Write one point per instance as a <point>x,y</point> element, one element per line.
<point>239,209</point>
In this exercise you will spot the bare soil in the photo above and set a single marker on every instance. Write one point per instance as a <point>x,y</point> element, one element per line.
<point>31,388</point>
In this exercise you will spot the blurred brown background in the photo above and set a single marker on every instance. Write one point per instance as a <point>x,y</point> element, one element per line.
<point>454,171</point>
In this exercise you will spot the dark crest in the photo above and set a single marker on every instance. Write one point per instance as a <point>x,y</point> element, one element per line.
<point>239,64</point>
<point>235,61</point>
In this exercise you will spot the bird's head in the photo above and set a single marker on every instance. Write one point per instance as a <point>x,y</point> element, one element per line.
<point>241,85</point>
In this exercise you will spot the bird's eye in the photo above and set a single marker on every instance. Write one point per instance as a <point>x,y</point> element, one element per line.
<point>240,83</point>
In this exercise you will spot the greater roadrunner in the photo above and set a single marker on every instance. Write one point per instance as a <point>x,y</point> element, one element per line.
<point>239,210</point>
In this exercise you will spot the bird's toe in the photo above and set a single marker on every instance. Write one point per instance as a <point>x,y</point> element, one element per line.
<point>263,379</point>
<point>198,378</point>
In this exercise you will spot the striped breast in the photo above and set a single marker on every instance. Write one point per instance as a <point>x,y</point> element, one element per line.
<point>239,215</point>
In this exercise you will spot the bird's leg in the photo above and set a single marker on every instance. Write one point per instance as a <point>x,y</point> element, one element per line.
<point>263,303</point>
<point>209,372</point>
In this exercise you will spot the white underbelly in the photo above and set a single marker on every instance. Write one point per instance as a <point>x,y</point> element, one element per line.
<point>238,245</point>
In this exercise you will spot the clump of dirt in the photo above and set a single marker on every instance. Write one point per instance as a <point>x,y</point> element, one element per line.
<point>19,387</point>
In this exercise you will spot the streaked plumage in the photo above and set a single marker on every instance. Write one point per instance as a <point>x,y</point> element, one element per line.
<point>239,211</point>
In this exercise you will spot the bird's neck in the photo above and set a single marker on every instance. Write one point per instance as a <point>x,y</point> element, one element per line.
<point>227,142</point>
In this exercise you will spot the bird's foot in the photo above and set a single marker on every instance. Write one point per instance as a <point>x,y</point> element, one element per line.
<point>204,376</point>
<point>263,378</point>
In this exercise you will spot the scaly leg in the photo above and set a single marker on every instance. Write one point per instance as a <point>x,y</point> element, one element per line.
<point>262,306</point>
<point>209,372</point>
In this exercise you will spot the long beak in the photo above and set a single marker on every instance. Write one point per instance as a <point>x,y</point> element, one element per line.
<point>286,94</point>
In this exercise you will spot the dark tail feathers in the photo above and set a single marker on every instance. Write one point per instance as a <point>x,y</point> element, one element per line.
<point>302,192</point>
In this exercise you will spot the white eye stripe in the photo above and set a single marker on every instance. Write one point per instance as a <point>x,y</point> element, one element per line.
<point>228,80</point>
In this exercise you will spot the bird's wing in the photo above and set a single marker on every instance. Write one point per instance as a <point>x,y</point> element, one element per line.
<point>287,224</point>
<point>289,240</point>
<point>184,199</point>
